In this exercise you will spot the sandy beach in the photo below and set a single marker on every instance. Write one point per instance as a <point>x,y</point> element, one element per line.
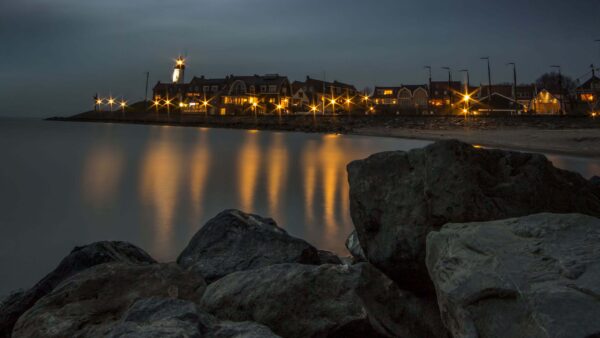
<point>576,142</point>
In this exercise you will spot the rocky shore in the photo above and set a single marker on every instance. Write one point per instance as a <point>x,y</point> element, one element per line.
<point>450,241</point>
<point>573,135</point>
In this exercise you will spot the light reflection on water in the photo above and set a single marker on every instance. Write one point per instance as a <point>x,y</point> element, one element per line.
<point>70,184</point>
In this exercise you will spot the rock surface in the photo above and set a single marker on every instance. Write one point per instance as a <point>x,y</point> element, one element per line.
<point>535,276</point>
<point>79,259</point>
<point>236,241</point>
<point>353,246</point>
<point>175,318</point>
<point>328,257</point>
<point>296,300</point>
<point>163,317</point>
<point>91,302</point>
<point>595,181</point>
<point>241,330</point>
<point>397,198</point>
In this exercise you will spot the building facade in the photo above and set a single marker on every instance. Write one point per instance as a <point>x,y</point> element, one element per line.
<point>325,97</point>
<point>266,94</point>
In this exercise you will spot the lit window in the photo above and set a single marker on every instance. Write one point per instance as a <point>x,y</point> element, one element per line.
<point>587,97</point>
<point>388,92</point>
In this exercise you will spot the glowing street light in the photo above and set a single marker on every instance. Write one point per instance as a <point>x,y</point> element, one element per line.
<point>123,104</point>
<point>111,102</point>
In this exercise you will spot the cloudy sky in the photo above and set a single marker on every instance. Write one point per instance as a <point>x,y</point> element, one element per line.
<point>55,54</point>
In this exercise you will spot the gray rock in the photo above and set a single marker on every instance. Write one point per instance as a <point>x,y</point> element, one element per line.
<point>92,301</point>
<point>328,257</point>
<point>535,276</point>
<point>79,259</point>
<point>296,300</point>
<point>169,317</point>
<point>241,330</point>
<point>595,181</point>
<point>236,241</point>
<point>163,317</point>
<point>397,198</point>
<point>353,246</point>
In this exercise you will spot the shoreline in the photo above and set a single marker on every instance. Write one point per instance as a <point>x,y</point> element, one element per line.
<point>577,137</point>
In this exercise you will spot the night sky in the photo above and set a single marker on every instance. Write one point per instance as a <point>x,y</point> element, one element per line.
<point>55,54</point>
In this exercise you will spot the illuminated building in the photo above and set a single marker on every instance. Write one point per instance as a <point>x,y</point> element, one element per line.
<point>588,95</point>
<point>229,95</point>
<point>546,103</point>
<point>330,96</point>
<point>407,99</point>
<point>502,102</point>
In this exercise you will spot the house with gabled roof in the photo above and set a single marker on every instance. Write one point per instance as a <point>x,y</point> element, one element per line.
<point>404,98</point>
<point>333,96</point>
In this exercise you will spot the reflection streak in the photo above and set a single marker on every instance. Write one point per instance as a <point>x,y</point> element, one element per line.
<point>277,176</point>
<point>159,188</point>
<point>102,172</point>
<point>248,170</point>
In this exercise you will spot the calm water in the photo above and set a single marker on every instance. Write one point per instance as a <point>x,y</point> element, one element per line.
<point>68,184</point>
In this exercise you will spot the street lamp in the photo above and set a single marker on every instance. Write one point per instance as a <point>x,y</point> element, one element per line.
<point>254,106</point>
<point>123,104</point>
<point>98,103</point>
<point>111,101</point>
<point>489,69</point>
<point>449,83</point>
<point>560,88</point>
<point>514,65</point>
<point>168,104</point>
<point>430,90</point>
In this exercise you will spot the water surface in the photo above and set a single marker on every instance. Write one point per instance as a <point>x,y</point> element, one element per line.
<point>67,184</point>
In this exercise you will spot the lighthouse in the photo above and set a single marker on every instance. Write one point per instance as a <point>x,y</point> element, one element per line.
<point>179,71</point>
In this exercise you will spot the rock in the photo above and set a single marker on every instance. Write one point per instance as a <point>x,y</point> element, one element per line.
<point>79,259</point>
<point>353,246</point>
<point>535,276</point>
<point>296,300</point>
<point>595,181</point>
<point>236,241</point>
<point>168,317</point>
<point>328,257</point>
<point>241,330</point>
<point>91,302</point>
<point>397,198</point>
<point>162,317</point>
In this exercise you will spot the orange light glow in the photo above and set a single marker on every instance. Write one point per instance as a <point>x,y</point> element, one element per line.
<point>249,169</point>
<point>278,159</point>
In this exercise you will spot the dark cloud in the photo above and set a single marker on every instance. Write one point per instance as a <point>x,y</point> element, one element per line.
<point>56,53</point>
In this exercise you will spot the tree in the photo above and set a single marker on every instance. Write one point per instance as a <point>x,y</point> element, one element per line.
<point>550,82</point>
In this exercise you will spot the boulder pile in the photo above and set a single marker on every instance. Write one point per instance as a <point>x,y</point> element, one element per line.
<point>449,241</point>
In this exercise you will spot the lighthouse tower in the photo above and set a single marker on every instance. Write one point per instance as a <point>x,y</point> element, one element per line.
<point>179,71</point>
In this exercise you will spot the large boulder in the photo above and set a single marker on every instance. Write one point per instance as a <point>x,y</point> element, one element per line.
<point>595,181</point>
<point>79,259</point>
<point>236,241</point>
<point>535,276</point>
<point>176,318</point>
<point>163,317</point>
<point>296,300</point>
<point>92,301</point>
<point>241,330</point>
<point>397,198</point>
